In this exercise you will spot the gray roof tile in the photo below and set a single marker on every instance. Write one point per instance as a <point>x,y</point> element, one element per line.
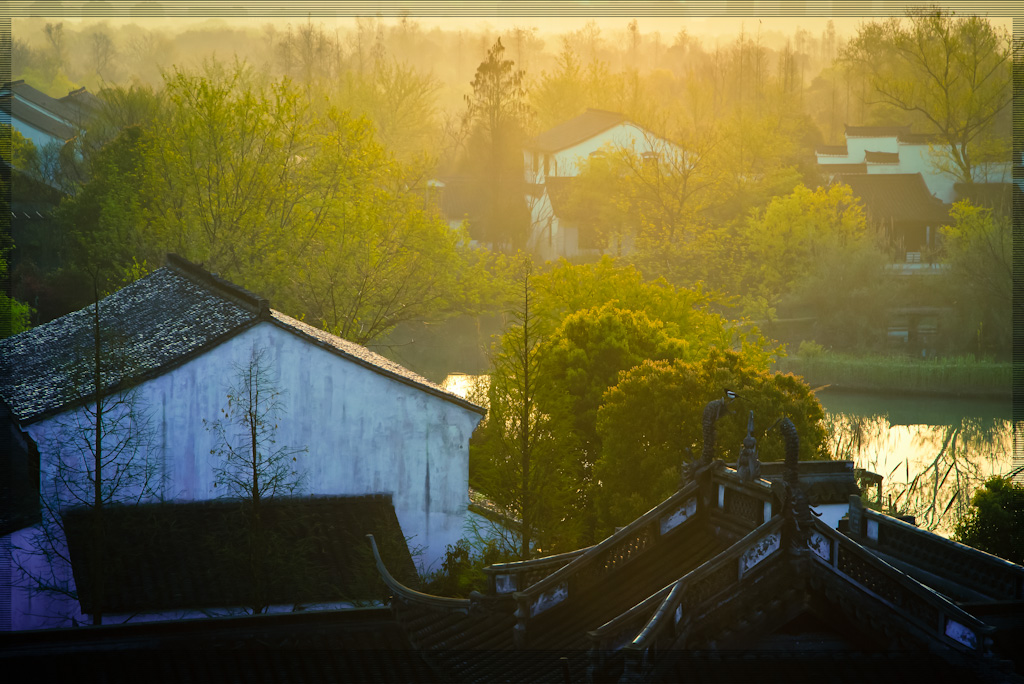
<point>154,324</point>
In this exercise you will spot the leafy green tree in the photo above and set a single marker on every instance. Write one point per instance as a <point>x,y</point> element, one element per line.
<point>686,313</point>
<point>518,455</point>
<point>651,419</point>
<point>297,202</point>
<point>995,521</point>
<point>848,291</point>
<point>978,246</point>
<point>497,115</point>
<point>950,72</point>
<point>787,239</point>
<point>580,361</point>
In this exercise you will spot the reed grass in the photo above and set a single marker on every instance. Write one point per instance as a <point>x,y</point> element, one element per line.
<point>956,376</point>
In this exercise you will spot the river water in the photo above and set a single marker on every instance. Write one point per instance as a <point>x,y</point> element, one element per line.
<point>932,452</point>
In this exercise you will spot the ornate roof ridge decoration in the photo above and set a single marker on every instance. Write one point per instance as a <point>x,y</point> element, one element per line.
<point>409,595</point>
<point>212,281</point>
<point>973,569</point>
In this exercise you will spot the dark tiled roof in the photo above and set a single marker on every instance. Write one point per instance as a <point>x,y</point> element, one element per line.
<point>882,157</point>
<point>876,131</point>
<point>82,101</point>
<point>918,138</point>
<point>576,130</point>
<point>158,321</point>
<point>899,197</point>
<point>173,556</point>
<point>364,645</point>
<point>155,324</point>
<point>834,169</point>
<point>36,119</point>
<point>41,99</point>
<point>832,150</point>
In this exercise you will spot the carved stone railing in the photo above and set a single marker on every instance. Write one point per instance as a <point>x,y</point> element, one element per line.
<point>505,578</point>
<point>404,593</point>
<point>747,504</point>
<point>609,556</point>
<point>929,610</point>
<point>695,590</point>
<point>979,571</point>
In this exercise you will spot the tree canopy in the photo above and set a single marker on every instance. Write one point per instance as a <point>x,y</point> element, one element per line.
<point>995,521</point>
<point>651,419</point>
<point>949,72</point>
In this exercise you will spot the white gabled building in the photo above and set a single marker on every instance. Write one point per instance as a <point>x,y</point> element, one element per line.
<point>370,425</point>
<point>554,157</point>
<point>43,119</point>
<point>896,150</point>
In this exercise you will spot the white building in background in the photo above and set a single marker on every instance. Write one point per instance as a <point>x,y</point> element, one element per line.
<point>895,150</point>
<point>43,119</point>
<point>553,159</point>
<point>370,425</point>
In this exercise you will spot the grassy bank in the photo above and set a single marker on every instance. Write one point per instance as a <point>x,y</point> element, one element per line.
<point>960,376</point>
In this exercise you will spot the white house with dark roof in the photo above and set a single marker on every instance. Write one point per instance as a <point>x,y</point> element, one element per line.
<point>897,150</point>
<point>553,158</point>
<point>370,425</point>
<point>43,119</point>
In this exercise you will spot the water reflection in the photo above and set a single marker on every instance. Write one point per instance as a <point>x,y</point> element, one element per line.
<point>931,453</point>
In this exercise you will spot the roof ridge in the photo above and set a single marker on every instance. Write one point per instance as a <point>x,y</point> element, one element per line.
<point>219,286</point>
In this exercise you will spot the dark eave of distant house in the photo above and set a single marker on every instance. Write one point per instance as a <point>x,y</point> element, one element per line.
<point>882,157</point>
<point>897,197</point>
<point>574,131</point>
<point>876,131</point>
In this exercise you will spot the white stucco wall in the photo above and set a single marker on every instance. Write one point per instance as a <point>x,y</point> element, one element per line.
<point>832,513</point>
<point>914,158</point>
<point>856,147</point>
<point>366,433</point>
<point>567,162</point>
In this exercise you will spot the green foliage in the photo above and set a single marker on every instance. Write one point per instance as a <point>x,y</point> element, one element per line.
<point>874,373</point>
<point>652,417</point>
<point>809,349</point>
<point>978,246</point>
<point>106,220</point>
<point>686,313</point>
<point>787,240</point>
<point>496,116</point>
<point>461,571</point>
<point>585,355</point>
<point>288,196</point>
<point>995,521</point>
<point>519,454</point>
<point>849,291</point>
<point>950,73</point>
